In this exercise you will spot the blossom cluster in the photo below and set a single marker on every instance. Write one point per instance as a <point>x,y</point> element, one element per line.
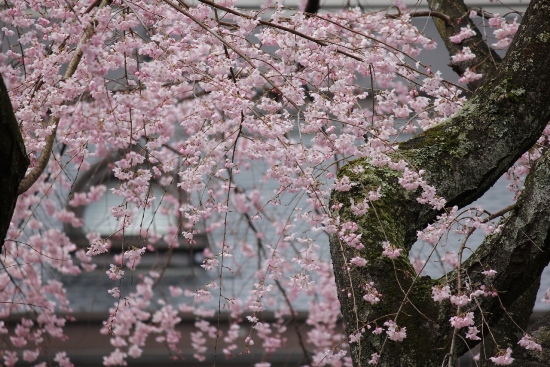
<point>222,122</point>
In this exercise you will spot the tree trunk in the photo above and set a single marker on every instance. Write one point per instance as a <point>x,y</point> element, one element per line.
<point>463,157</point>
<point>13,162</point>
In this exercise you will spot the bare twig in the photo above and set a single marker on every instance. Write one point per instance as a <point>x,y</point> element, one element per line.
<point>425,13</point>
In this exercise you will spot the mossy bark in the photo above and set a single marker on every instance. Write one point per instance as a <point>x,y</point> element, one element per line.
<point>462,158</point>
<point>13,161</point>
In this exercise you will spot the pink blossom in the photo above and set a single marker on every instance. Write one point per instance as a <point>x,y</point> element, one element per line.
<point>361,208</point>
<point>30,356</point>
<point>344,184</point>
<point>465,33</point>
<point>115,272</point>
<point>504,358</point>
<point>354,338</point>
<point>358,261</point>
<point>374,358</point>
<point>469,76</point>
<point>450,259</point>
<point>115,292</point>
<point>116,358</point>
<point>97,247</point>
<point>461,321</point>
<point>395,332</point>
<point>10,358</point>
<point>496,21</point>
<point>62,359</point>
<point>504,32</point>
<point>191,142</point>
<point>460,300</point>
<point>133,257</point>
<point>489,273</point>
<point>472,333</point>
<point>209,264</point>
<point>390,251</point>
<point>464,55</point>
<point>528,343</point>
<point>175,291</point>
<point>134,351</point>
<point>440,293</point>
<point>372,296</point>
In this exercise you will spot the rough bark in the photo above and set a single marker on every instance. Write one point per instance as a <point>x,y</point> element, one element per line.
<point>509,329</point>
<point>540,329</point>
<point>519,253</point>
<point>13,162</point>
<point>463,157</point>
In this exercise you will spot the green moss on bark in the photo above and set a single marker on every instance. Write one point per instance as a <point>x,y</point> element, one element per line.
<point>463,158</point>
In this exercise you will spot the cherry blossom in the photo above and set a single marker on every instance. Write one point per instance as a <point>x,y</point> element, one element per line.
<point>472,333</point>
<point>504,30</point>
<point>465,33</point>
<point>459,300</point>
<point>390,251</point>
<point>374,358</point>
<point>441,293</point>
<point>395,332</point>
<point>528,343</point>
<point>358,261</point>
<point>372,296</point>
<point>504,358</point>
<point>464,55</point>
<point>489,273</point>
<point>461,321</point>
<point>230,124</point>
<point>469,76</point>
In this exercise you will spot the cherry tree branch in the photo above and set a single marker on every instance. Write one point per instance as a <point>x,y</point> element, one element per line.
<point>40,166</point>
<point>426,13</point>
<point>270,24</point>
<point>457,17</point>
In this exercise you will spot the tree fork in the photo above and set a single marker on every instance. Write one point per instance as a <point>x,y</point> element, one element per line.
<point>462,157</point>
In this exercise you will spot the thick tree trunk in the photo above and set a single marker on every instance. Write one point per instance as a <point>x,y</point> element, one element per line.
<point>13,161</point>
<point>463,157</point>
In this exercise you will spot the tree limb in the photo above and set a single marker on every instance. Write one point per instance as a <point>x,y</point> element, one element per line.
<point>486,60</point>
<point>463,157</point>
<point>14,162</point>
<point>519,253</point>
<point>424,13</point>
